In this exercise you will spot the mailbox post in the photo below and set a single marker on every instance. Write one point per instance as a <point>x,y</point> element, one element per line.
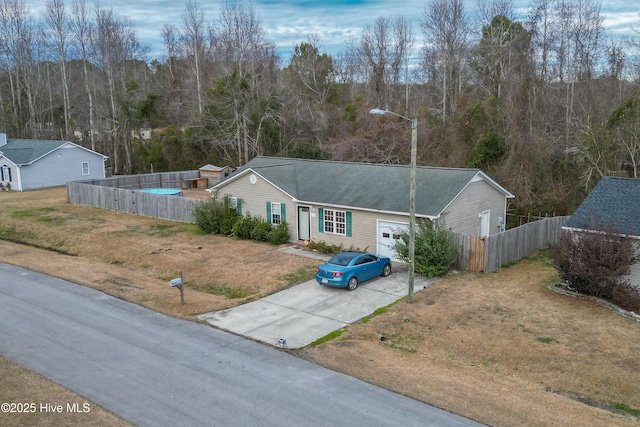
<point>177,283</point>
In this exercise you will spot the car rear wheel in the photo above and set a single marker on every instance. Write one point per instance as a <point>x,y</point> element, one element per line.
<point>386,270</point>
<point>353,283</point>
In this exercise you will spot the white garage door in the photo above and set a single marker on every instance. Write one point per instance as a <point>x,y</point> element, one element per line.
<point>388,234</point>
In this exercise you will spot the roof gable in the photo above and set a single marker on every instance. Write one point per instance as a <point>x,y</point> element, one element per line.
<point>27,151</point>
<point>613,202</point>
<point>371,186</point>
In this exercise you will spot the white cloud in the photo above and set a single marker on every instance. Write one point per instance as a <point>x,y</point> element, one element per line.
<point>337,22</point>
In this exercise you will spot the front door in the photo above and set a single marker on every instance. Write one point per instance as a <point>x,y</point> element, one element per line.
<point>304,223</point>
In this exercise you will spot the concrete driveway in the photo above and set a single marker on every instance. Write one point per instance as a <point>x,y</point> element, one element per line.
<point>304,313</point>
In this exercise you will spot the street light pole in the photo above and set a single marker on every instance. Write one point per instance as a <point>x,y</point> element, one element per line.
<point>412,195</point>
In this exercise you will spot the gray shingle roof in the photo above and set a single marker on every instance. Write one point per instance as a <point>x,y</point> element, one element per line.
<point>25,151</point>
<point>381,187</point>
<point>613,202</point>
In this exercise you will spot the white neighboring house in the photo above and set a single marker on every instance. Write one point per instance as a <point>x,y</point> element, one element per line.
<point>30,164</point>
<point>613,202</point>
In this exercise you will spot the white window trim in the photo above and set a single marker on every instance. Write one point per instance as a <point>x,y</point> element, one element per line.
<point>5,173</point>
<point>233,202</point>
<point>276,212</point>
<point>334,222</point>
<point>85,169</point>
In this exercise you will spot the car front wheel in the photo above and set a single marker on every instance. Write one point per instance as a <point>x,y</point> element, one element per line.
<point>353,283</point>
<point>386,270</point>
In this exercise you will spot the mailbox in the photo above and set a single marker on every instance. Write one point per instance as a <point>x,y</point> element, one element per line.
<point>176,282</point>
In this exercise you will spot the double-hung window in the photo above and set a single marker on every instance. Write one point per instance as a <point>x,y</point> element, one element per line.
<point>276,217</point>
<point>276,213</point>
<point>235,203</point>
<point>335,222</point>
<point>85,168</point>
<point>6,173</point>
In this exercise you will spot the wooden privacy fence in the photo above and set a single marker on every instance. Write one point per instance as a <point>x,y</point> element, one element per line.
<point>101,193</point>
<point>492,252</point>
<point>180,180</point>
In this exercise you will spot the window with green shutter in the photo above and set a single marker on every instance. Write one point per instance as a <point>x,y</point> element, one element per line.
<point>276,212</point>
<point>335,222</point>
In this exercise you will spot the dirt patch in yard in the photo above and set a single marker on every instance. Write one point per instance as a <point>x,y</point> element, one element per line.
<point>499,348</point>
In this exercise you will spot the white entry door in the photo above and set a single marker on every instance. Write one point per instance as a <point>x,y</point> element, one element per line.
<point>484,223</point>
<point>304,224</point>
<point>388,234</point>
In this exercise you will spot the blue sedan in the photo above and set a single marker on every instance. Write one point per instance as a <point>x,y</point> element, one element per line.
<point>347,269</point>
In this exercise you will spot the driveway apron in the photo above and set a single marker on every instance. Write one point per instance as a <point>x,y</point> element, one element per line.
<point>298,316</point>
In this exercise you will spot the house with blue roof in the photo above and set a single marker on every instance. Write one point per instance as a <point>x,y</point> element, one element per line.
<point>30,164</point>
<point>614,203</point>
<point>363,205</point>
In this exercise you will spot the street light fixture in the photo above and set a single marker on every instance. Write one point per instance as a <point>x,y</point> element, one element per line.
<point>412,194</point>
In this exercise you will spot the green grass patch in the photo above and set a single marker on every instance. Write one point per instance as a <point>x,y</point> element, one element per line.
<point>301,275</point>
<point>329,337</point>
<point>541,257</point>
<point>626,408</point>
<point>221,290</point>
<point>378,312</point>
<point>29,213</point>
<point>52,220</point>
<point>546,340</point>
<point>402,342</point>
<point>40,215</point>
<point>165,230</point>
<point>11,234</point>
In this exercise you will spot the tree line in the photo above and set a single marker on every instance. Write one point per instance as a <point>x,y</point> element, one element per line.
<point>545,104</point>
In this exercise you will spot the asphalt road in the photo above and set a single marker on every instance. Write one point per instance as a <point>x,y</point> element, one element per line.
<point>154,370</point>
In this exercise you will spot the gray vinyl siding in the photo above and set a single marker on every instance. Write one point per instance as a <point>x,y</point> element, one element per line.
<point>364,228</point>
<point>462,218</point>
<point>254,198</point>
<point>463,214</point>
<point>634,275</point>
<point>59,167</point>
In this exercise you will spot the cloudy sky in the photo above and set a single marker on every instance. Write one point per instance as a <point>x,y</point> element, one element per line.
<point>287,23</point>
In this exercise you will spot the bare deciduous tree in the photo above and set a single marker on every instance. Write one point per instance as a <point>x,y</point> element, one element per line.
<point>58,25</point>
<point>81,29</point>
<point>446,32</point>
<point>383,50</point>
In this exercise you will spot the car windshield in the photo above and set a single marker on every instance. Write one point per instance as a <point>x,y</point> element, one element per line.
<point>343,259</point>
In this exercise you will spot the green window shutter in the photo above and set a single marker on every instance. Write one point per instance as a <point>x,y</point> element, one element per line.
<point>239,206</point>
<point>269,212</point>
<point>283,212</point>
<point>321,220</point>
<point>348,219</point>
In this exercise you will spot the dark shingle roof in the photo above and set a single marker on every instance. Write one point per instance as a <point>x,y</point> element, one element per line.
<point>25,151</point>
<point>614,202</point>
<point>381,187</point>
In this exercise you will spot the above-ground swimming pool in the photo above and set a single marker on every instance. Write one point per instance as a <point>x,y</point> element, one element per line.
<point>164,191</point>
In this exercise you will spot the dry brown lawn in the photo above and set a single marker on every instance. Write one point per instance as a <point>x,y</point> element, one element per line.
<point>20,385</point>
<point>499,348</point>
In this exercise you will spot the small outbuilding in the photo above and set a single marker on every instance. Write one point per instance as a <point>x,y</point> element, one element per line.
<point>30,164</point>
<point>215,174</point>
